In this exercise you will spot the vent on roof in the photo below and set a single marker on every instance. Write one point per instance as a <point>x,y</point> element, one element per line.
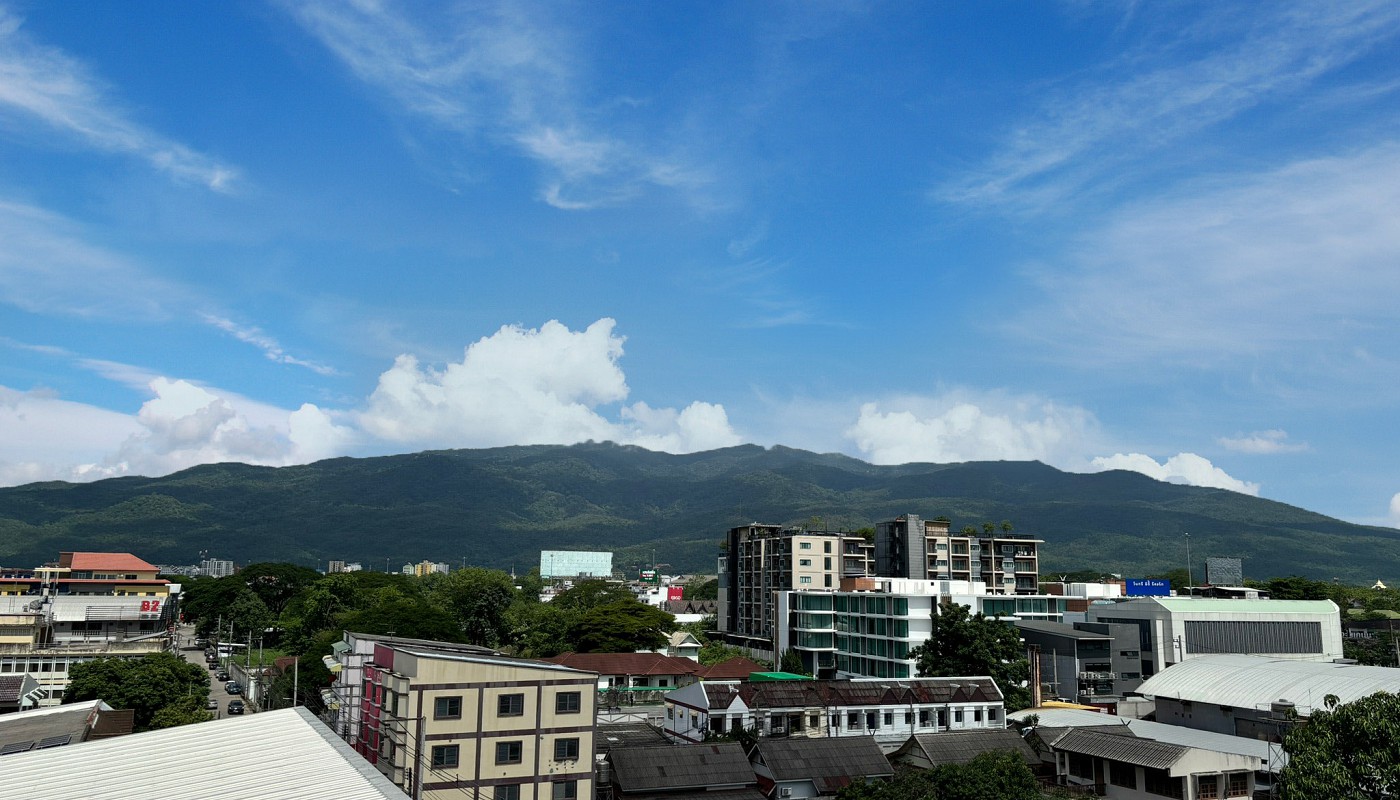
<point>15,747</point>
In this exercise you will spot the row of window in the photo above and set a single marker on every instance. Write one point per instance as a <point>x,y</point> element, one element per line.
<point>559,790</point>
<point>448,756</point>
<point>508,705</point>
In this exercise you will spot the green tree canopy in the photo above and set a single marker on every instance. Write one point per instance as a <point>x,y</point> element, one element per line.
<point>989,776</point>
<point>1349,752</point>
<point>276,583</point>
<point>145,685</point>
<point>480,599</point>
<point>590,594</point>
<point>964,644</point>
<point>701,590</point>
<point>623,626</point>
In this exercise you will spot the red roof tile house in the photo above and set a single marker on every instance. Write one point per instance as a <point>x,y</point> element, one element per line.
<point>735,669</point>
<point>633,670</point>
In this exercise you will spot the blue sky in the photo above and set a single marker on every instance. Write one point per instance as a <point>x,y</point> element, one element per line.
<point>1160,237</point>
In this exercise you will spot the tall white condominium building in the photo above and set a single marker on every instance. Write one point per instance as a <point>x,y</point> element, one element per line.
<point>216,567</point>
<point>910,547</point>
<point>575,564</point>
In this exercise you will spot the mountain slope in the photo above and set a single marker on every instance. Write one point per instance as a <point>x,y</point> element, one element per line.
<point>499,507</point>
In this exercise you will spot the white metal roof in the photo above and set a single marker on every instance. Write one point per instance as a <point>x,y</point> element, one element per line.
<point>1256,681</point>
<point>1162,732</point>
<point>275,754</point>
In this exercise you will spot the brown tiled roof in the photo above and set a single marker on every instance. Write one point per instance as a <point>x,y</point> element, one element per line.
<point>806,694</point>
<point>628,663</point>
<point>115,562</point>
<point>737,668</point>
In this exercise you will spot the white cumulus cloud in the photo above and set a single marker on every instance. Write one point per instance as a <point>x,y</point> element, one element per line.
<point>1263,443</point>
<point>1395,510</point>
<point>532,386</point>
<point>1187,468</point>
<point>959,427</point>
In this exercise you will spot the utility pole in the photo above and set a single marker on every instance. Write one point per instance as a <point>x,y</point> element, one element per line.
<point>1190,580</point>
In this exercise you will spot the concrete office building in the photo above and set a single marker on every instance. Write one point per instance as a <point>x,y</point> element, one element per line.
<point>1085,662</point>
<point>1175,629</point>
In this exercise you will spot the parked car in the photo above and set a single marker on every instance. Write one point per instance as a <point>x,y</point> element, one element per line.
<point>212,705</point>
<point>221,675</point>
<point>232,687</point>
<point>235,706</point>
<point>213,665</point>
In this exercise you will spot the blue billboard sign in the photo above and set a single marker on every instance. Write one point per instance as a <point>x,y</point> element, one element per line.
<point>1149,587</point>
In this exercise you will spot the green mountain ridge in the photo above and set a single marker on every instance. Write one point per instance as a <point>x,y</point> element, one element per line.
<point>499,507</point>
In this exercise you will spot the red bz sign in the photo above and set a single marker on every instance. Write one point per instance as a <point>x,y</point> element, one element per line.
<point>150,606</point>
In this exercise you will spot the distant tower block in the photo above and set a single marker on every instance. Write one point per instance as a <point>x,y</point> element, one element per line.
<point>1224,572</point>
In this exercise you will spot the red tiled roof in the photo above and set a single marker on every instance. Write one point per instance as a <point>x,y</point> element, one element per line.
<point>735,669</point>
<point>114,562</point>
<point>627,663</point>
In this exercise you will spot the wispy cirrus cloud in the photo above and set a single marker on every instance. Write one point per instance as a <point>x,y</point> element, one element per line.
<point>47,267</point>
<point>1263,443</point>
<point>267,344</point>
<point>1087,130</point>
<point>501,74</point>
<point>44,84</point>
<point>1290,272</point>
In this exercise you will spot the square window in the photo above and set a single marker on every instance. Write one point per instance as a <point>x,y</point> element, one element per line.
<point>565,790</point>
<point>509,752</point>
<point>507,792</point>
<point>568,703</point>
<point>566,749</point>
<point>510,705</point>
<point>445,756</point>
<point>447,708</point>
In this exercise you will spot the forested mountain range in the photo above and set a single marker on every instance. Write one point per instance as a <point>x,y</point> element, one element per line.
<point>499,507</point>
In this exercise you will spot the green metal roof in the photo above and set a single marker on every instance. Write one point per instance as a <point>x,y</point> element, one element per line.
<point>759,677</point>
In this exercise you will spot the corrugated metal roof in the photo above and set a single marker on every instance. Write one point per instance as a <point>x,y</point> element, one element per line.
<point>1243,606</point>
<point>825,761</point>
<point>628,663</point>
<point>960,747</point>
<point>1128,749</point>
<point>643,769</point>
<point>610,735</point>
<point>1256,681</point>
<point>272,755</point>
<point>1275,758</point>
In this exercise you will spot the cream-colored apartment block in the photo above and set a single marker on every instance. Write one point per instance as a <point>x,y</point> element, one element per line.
<point>492,726</point>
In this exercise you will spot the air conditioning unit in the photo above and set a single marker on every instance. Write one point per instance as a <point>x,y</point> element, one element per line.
<point>786,791</point>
